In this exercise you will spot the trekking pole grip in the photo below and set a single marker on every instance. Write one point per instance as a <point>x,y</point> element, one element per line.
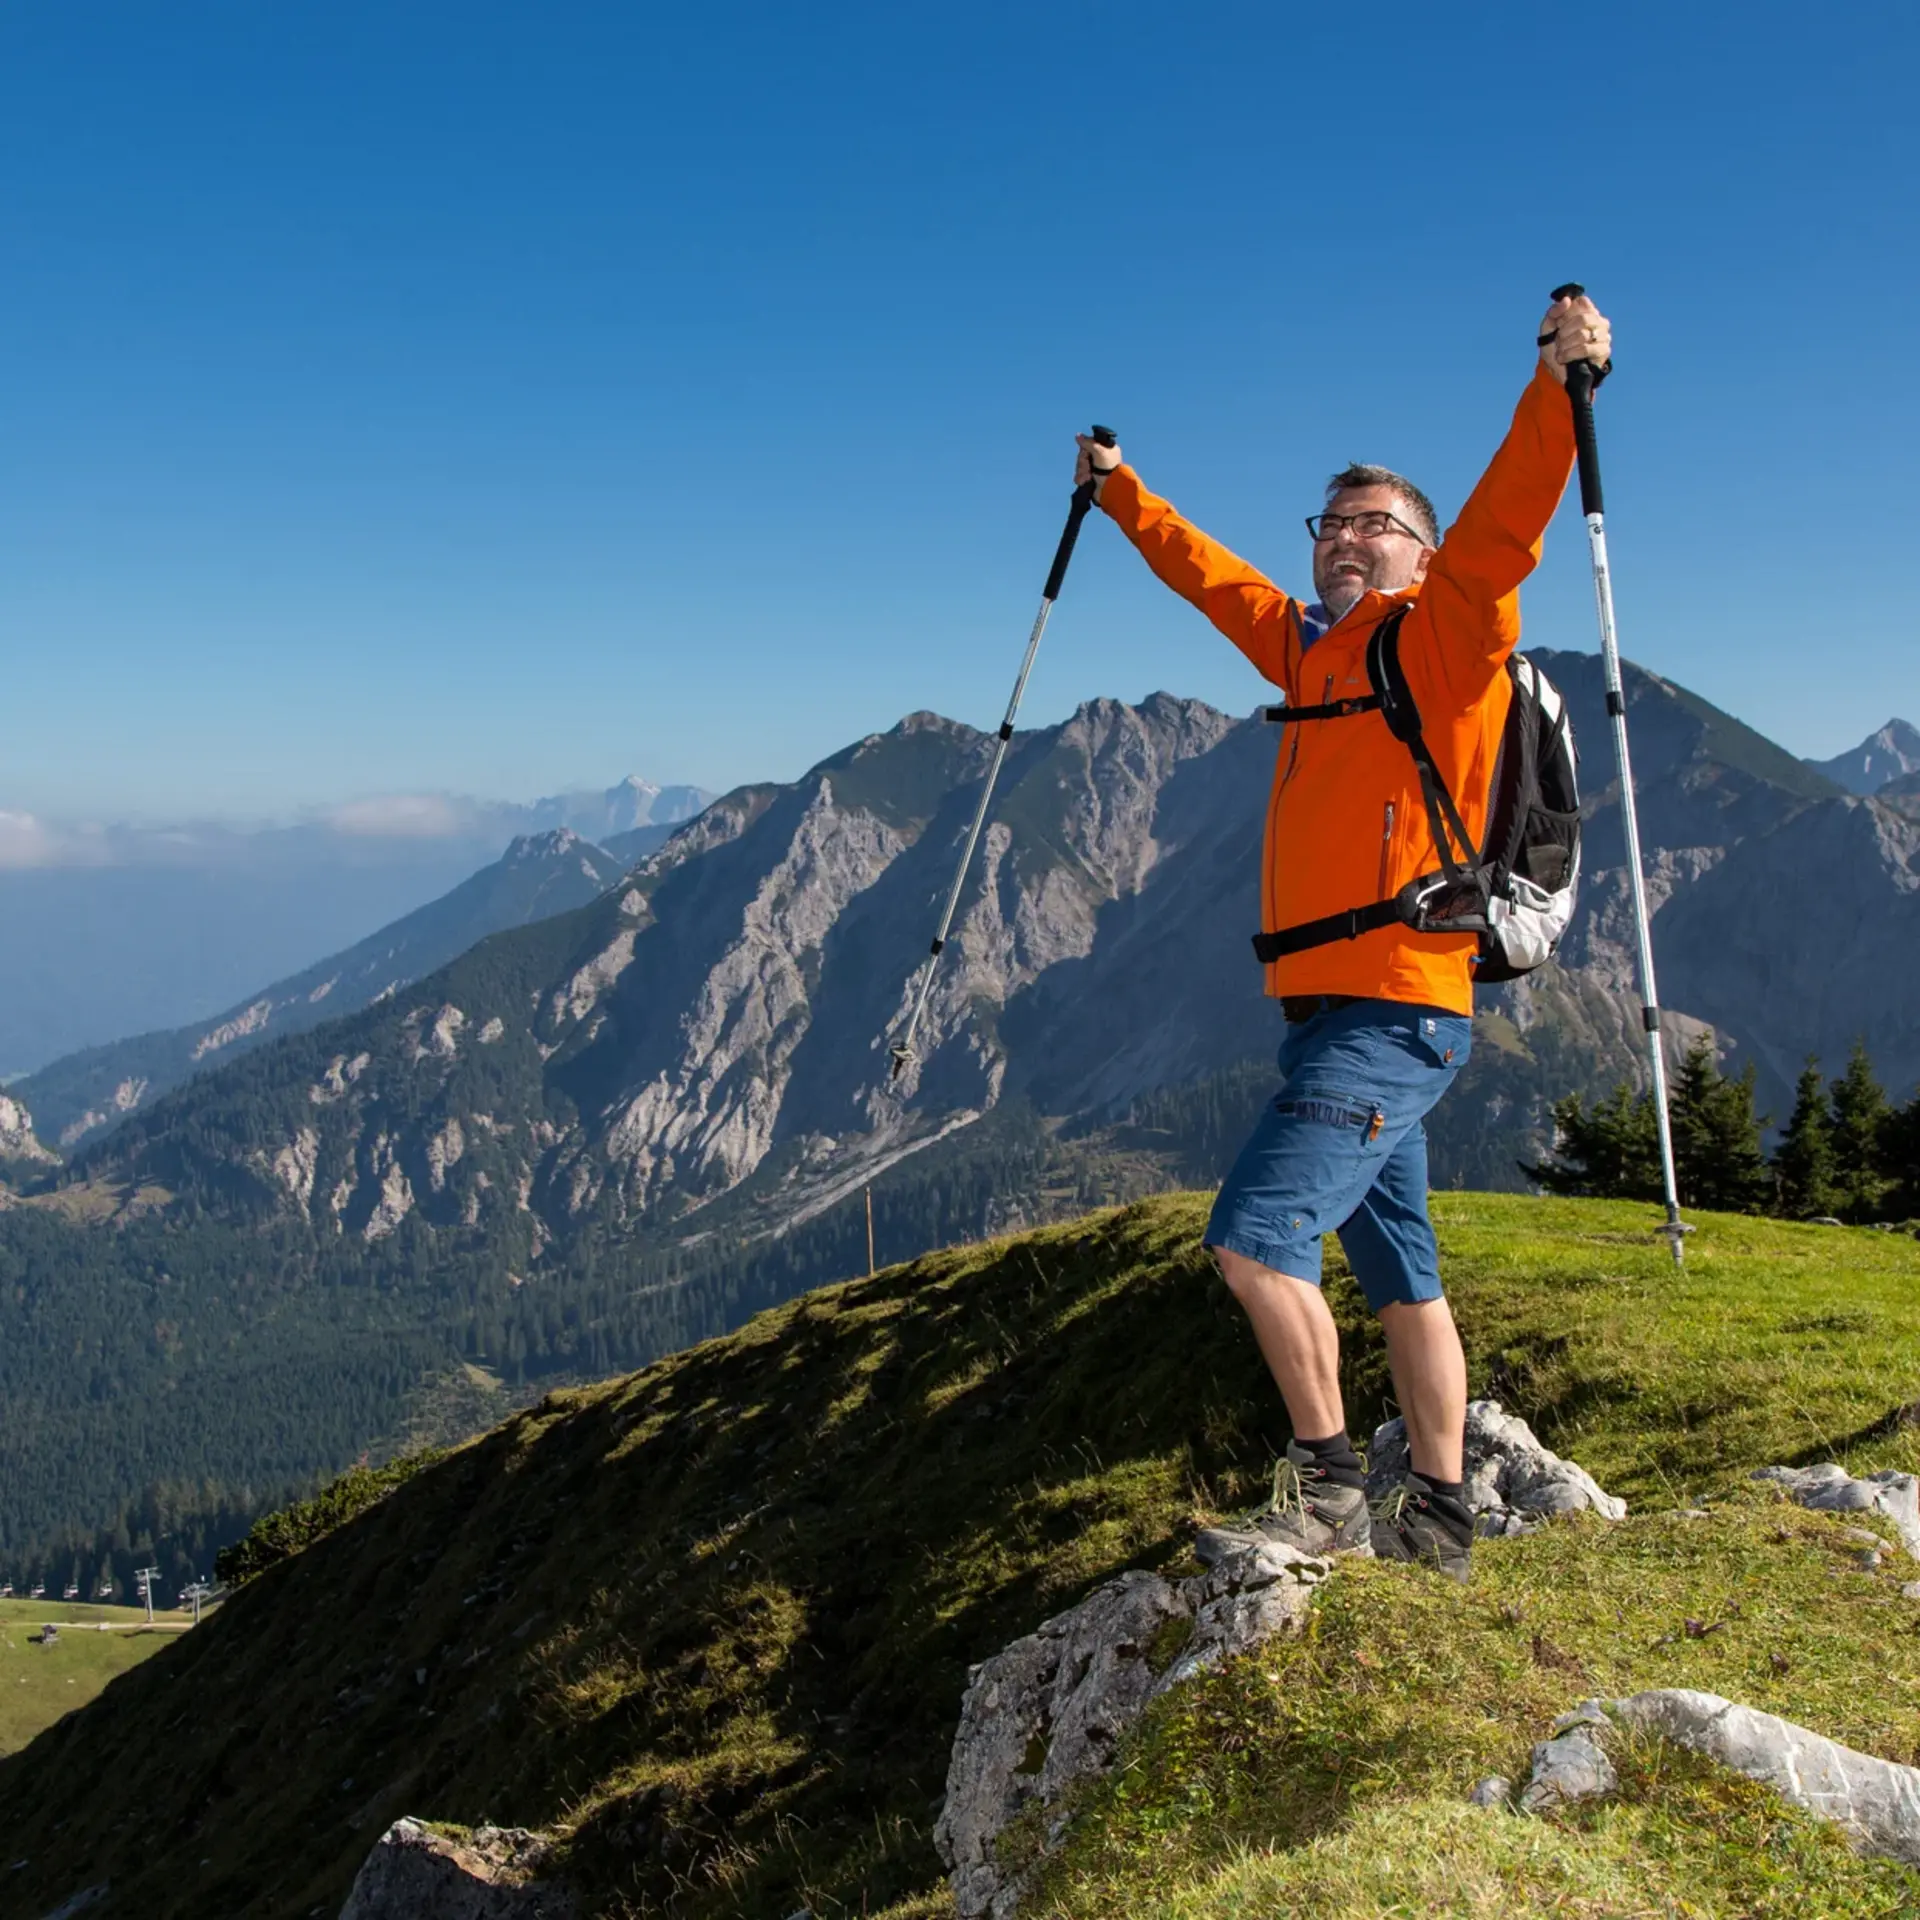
<point>1580,383</point>
<point>1082,502</point>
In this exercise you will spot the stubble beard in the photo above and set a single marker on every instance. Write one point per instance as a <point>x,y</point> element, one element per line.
<point>1341,594</point>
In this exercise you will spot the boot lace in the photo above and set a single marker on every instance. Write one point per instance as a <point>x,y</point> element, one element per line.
<point>1289,1496</point>
<point>1389,1509</point>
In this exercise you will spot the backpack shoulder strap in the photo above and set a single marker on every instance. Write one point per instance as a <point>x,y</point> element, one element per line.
<point>1397,707</point>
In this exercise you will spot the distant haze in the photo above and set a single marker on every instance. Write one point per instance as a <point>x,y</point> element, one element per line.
<point>114,929</point>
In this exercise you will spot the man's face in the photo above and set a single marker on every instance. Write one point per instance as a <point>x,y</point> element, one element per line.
<point>1347,566</point>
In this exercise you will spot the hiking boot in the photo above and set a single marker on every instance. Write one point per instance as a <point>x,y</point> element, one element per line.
<point>1308,1512</point>
<point>1414,1523</point>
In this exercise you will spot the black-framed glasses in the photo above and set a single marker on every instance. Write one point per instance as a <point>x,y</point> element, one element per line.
<point>1366,526</point>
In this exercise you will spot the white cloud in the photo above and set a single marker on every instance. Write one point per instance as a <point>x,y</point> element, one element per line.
<point>27,841</point>
<point>402,816</point>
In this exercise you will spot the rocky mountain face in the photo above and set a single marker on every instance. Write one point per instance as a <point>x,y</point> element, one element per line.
<point>540,874</point>
<point>714,1033</point>
<point>1882,757</point>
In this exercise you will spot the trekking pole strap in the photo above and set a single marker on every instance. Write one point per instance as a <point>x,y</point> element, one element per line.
<point>1077,512</point>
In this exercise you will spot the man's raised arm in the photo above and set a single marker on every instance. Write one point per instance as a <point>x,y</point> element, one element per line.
<point>1472,592</point>
<point>1240,600</point>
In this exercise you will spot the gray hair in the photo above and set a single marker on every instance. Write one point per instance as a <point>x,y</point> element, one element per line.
<point>1426,523</point>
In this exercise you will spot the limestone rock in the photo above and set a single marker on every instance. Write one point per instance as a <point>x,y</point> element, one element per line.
<point>1832,1489</point>
<point>1513,1482</point>
<point>1050,1710</point>
<point>1570,1767</point>
<point>1877,1801</point>
<point>415,1874</point>
<point>1494,1791</point>
<point>17,1141</point>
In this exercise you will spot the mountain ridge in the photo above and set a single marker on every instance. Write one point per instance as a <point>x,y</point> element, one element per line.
<point>539,874</point>
<point>1889,753</point>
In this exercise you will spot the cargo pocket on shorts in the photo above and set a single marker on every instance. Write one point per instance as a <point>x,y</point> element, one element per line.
<point>1337,1111</point>
<point>1442,1039</point>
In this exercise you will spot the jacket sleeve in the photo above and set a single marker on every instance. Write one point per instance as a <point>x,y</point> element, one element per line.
<point>1471,600</point>
<point>1241,601</point>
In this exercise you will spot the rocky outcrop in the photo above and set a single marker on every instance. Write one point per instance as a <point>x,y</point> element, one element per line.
<point>249,1020</point>
<point>1514,1484</point>
<point>295,1163</point>
<point>414,1873</point>
<point>1877,1801</point>
<point>1048,1712</point>
<point>17,1141</point>
<point>1832,1489</point>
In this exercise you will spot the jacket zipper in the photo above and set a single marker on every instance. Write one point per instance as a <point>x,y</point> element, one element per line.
<point>1386,845</point>
<point>1293,755</point>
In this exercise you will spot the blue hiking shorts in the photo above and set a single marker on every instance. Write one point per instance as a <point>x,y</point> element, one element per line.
<point>1342,1148</point>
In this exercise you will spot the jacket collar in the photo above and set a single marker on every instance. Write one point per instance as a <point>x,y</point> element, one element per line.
<point>1372,606</point>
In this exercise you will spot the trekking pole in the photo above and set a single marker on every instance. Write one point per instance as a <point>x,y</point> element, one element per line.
<point>902,1049</point>
<point>1580,385</point>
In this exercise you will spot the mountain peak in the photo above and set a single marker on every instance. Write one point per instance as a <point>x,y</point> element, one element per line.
<point>550,845</point>
<point>1885,755</point>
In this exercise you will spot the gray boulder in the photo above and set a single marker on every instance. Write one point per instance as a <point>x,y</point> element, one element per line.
<point>1049,1711</point>
<point>1513,1482</point>
<point>1568,1768</point>
<point>1832,1489</point>
<point>1877,1801</point>
<point>416,1874</point>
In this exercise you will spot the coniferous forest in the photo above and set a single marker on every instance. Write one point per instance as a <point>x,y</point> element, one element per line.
<point>1846,1152</point>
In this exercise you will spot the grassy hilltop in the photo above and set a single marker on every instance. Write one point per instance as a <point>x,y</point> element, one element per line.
<point>712,1621</point>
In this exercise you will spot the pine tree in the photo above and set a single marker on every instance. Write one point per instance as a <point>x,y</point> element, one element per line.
<point>1900,1161</point>
<point>1717,1156</point>
<point>1803,1168</point>
<point>1860,1117</point>
<point>1611,1153</point>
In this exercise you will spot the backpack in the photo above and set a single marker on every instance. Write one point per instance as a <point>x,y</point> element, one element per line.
<point>1516,891</point>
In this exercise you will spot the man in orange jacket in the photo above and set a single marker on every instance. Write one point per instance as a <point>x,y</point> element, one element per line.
<point>1378,1024</point>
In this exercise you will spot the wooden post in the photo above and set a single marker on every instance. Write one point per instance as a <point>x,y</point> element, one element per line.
<point>869,1233</point>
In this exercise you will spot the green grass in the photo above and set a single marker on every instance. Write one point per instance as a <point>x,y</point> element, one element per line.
<point>712,1622</point>
<point>38,1684</point>
<point>1292,1771</point>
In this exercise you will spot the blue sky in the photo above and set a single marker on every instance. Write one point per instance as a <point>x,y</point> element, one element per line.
<point>503,399</point>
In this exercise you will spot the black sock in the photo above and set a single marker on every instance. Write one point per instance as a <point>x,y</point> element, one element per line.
<point>1335,1458</point>
<point>1448,1499</point>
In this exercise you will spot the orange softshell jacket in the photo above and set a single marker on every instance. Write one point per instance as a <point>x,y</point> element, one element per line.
<point>1345,823</point>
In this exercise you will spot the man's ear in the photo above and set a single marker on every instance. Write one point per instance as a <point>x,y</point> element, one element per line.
<point>1421,565</point>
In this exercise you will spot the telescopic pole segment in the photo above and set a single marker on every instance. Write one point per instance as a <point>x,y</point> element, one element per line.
<point>902,1049</point>
<point>1580,382</point>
